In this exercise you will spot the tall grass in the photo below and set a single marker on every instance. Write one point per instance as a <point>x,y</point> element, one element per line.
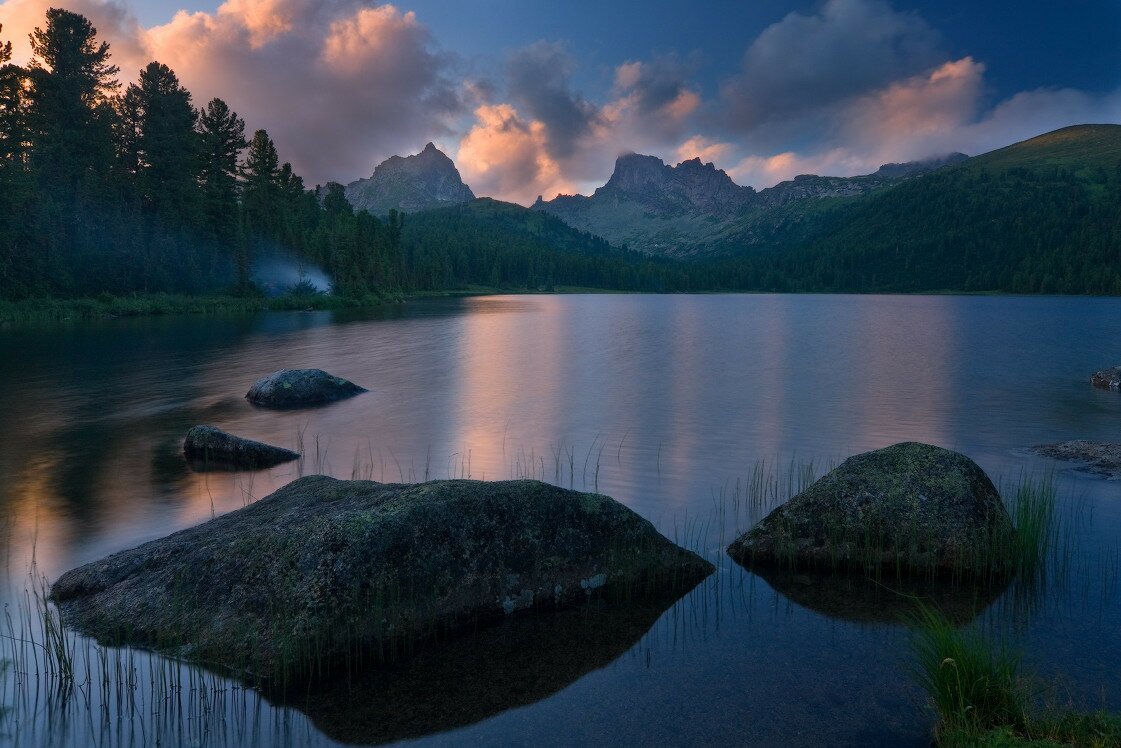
<point>973,686</point>
<point>982,698</point>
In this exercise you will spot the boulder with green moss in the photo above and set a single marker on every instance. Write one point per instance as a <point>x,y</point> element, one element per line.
<point>296,388</point>
<point>326,570</point>
<point>912,507</point>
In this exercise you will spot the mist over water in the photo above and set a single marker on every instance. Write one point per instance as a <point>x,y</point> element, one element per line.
<point>276,273</point>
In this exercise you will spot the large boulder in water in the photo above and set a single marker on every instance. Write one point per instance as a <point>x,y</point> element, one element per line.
<point>211,448</point>
<point>1109,379</point>
<point>295,388</point>
<point>913,507</point>
<point>324,570</point>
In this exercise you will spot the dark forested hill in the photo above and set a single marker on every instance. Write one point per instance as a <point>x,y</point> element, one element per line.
<point>1041,216</point>
<point>500,244</point>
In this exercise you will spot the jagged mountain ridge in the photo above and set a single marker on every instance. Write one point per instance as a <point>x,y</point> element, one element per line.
<point>424,181</point>
<point>695,209</point>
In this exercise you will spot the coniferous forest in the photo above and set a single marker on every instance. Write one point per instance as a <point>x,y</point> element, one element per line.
<point>139,189</point>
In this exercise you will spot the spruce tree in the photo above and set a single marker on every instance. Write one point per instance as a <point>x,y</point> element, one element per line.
<point>69,109</point>
<point>260,203</point>
<point>222,135</point>
<point>161,145</point>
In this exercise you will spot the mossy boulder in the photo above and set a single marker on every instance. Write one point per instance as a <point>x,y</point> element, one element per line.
<point>211,448</point>
<point>325,569</point>
<point>1109,379</point>
<point>913,507</point>
<point>297,388</point>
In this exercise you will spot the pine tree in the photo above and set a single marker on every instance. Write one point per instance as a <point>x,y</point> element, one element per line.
<point>69,114</point>
<point>70,121</point>
<point>260,202</point>
<point>222,135</point>
<point>13,134</point>
<point>161,145</point>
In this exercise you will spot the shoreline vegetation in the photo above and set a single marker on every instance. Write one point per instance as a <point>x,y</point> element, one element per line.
<point>110,306</point>
<point>107,188</point>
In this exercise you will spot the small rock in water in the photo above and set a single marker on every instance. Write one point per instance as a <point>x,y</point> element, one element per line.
<point>1099,458</point>
<point>1109,379</point>
<point>295,388</point>
<point>911,506</point>
<point>210,448</point>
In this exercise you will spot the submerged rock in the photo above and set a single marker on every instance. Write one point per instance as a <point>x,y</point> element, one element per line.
<point>324,569</point>
<point>1109,379</point>
<point>912,506</point>
<point>294,388</point>
<point>210,448</point>
<point>1098,458</point>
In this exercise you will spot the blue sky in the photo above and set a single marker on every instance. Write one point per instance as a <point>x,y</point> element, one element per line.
<point>534,98</point>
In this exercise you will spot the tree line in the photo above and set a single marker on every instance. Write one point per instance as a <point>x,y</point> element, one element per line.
<point>115,189</point>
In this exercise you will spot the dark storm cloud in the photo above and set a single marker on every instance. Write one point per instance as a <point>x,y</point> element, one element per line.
<point>538,81</point>
<point>809,63</point>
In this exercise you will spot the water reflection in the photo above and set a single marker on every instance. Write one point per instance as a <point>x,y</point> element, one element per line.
<point>460,682</point>
<point>862,599</point>
<point>663,402</point>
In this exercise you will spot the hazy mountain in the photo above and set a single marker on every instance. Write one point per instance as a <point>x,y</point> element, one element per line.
<point>410,184</point>
<point>696,209</point>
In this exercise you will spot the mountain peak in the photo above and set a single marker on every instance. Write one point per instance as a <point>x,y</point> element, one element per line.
<point>426,180</point>
<point>650,181</point>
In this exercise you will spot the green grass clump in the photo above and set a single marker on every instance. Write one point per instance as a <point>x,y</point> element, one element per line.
<point>974,688</point>
<point>981,698</point>
<point>1097,730</point>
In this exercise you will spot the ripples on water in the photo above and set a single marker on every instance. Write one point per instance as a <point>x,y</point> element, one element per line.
<point>667,403</point>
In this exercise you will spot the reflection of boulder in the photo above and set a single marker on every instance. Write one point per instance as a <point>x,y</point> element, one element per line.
<point>305,578</point>
<point>1098,458</point>
<point>210,448</point>
<point>1108,379</point>
<point>519,662</point>
<point>913,507</point>
<point>852,597</point>
<point>296,388</point>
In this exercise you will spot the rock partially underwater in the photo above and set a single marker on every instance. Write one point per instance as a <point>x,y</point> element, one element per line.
<point>297,388</point>
<point>915,507</point>
<point>324,570</point>
<point>210,448</point>
<point>1109,379</point>
<point>1097,458</point>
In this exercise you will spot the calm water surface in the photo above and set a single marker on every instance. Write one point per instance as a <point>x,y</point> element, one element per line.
<point>667,403</point>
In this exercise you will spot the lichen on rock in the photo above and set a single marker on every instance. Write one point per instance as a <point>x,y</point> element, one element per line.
<point>325,568</point>
<point>913,507</point>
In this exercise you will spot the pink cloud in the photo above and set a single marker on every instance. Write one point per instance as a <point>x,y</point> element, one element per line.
<point>506,157</point>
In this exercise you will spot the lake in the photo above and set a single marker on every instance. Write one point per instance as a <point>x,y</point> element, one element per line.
<point>669,404</point>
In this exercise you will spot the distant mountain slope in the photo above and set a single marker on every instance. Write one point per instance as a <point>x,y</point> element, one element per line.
<point>410,184</point>
<point>695,209</point>
<point>1041,216</point>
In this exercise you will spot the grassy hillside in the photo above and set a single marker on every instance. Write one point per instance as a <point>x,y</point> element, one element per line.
<point>1041,216</point>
